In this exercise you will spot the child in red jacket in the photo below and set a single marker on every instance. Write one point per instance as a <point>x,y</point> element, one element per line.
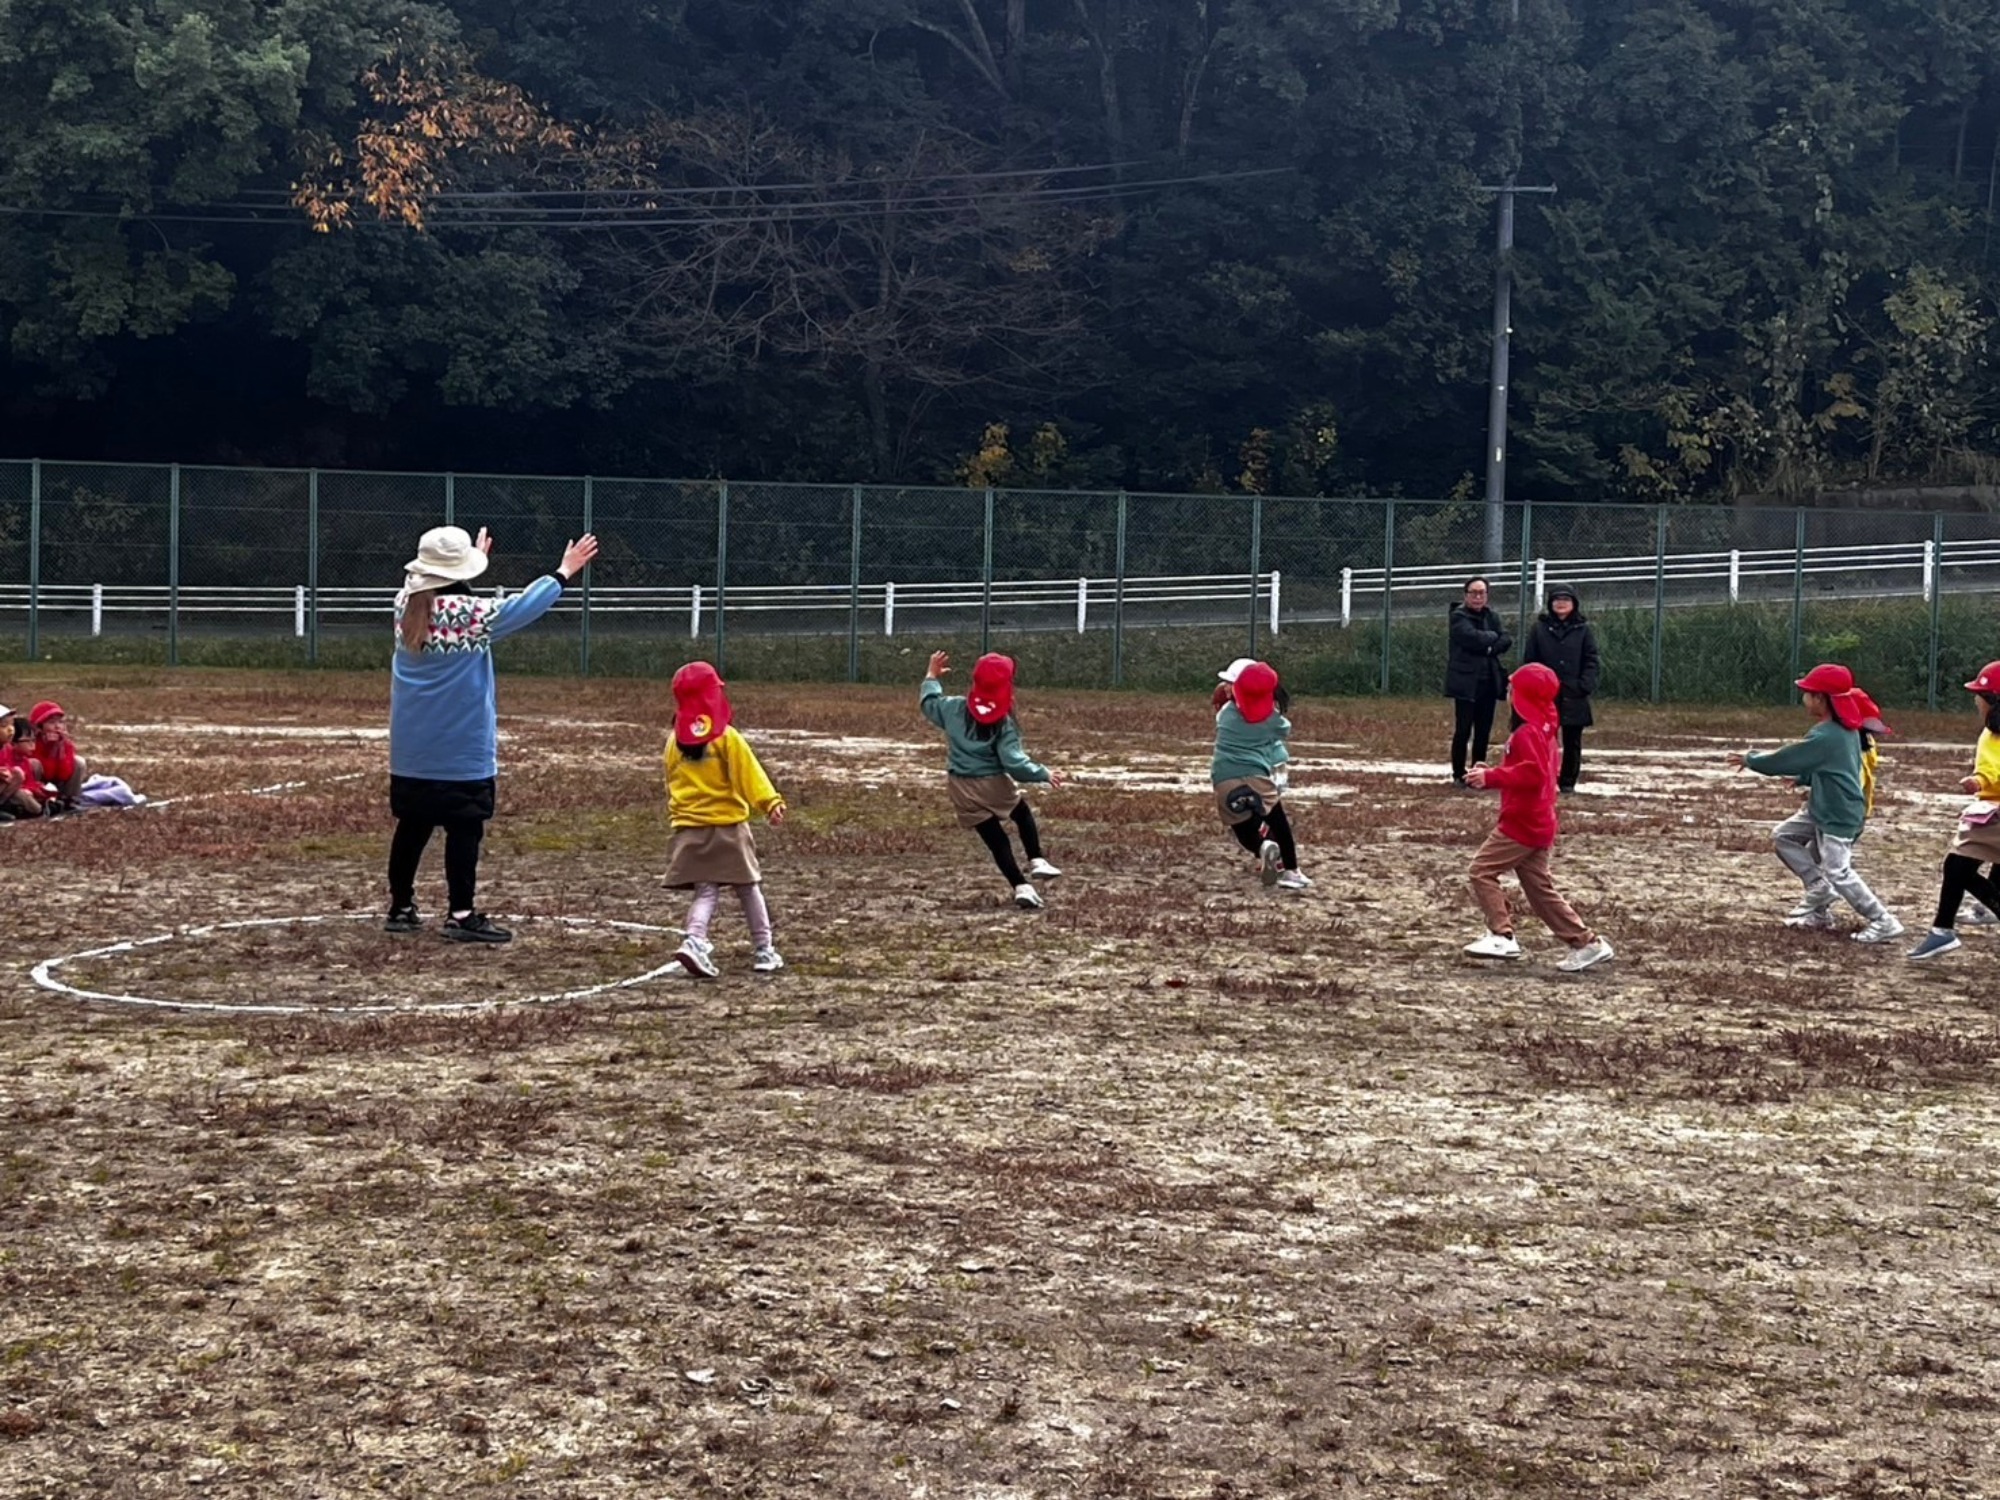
<point>1526,779</point>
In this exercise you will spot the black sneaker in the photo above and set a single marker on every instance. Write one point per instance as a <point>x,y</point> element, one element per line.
<point>475,928</point>
<point>402,919</point>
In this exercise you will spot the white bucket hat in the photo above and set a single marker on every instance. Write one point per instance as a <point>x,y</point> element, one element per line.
<point>444,555</point>
<point>1235,669</point>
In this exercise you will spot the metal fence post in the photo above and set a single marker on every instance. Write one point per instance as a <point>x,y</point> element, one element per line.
<point>721,570</point>
<point>1659,602</point>
<point>34,561</point>
<point>854,594</point>
<point>589,525</point>
<point>1118,601</point>
<point>1388,580</point>
<point>986,580</point>
<point>312,567</point>
<point>173,565</point>
<point>1528,600</point>
<point>1937,601</point>
<point>1256,561</point>
<point>451,499</point>
<point>1798,597</point>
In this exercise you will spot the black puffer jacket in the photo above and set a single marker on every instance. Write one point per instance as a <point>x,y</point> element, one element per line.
<point>1569,649</point>
<point>1478,641</point>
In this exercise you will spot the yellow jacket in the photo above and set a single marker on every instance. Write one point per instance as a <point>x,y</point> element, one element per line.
<point>1986,766</point>
<point>720,788</point>
<point>1868,759</point>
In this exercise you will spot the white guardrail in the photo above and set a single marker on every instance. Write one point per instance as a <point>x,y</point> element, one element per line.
<point>1899,567</point>
<point>692,602</point>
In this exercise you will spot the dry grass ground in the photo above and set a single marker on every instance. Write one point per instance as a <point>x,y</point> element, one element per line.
<point>1180,1188</point>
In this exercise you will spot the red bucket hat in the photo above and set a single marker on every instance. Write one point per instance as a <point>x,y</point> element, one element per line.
<point>701,707</point>
<point>1828,677</point>
<point>44,711</point>
<point>1257,692</point>
<point>1987,682</point>
<point>991,697</point>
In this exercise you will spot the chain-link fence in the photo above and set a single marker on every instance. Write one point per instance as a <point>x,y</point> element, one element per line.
<point>107,562</point>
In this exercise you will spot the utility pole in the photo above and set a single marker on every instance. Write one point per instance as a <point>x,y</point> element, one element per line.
<point>1496,398</point>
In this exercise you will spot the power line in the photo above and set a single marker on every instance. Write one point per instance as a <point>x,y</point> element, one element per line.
<point>834,209</point>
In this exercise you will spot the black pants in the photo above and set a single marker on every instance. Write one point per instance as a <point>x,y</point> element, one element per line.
<point>1962,879</point>
<point>1474,723</point>
<point>994,837</point>
<point>1274,823</point>
<point>422,807</point>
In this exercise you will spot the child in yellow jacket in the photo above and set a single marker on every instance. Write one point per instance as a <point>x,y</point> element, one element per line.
<point>713,783</point>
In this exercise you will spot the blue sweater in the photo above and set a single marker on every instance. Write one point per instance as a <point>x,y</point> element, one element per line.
<point>444,721</point>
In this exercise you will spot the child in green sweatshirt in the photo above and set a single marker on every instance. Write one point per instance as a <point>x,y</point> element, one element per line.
<point>1247,769</point>
<point>1816,843</point>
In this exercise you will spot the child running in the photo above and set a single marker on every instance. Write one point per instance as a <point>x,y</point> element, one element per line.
<point>984,764</point>
<point>1978,840</point>
<point>1247,770</point>
<point>713,782</point>
<point>1816,843</point>
<point>1525,835</point>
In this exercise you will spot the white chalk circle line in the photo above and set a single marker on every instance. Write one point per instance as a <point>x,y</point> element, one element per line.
<point>44,972</point>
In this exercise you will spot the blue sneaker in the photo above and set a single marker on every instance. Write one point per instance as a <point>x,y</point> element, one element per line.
<point>1937,942</point>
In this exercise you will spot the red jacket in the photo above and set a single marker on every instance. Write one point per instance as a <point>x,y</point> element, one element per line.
<point>18,758</point>
<point>58,758</point>
<point>1526,775</point>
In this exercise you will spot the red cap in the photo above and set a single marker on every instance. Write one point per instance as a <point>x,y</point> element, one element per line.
<point>991,697</point>
<point>1827,677</point>
<point>1257,692</point>
<point>1988,680</point>
<point>701,707</point>
<point>44,711</point>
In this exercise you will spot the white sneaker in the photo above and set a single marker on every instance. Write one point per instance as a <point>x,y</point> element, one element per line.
<point>696,956</point>
<point>1027,898</point>
<point>1041,869</point>
<point>1292,880</point>
<point>1269,862</point>
<point>1881,929</point>
<point>1593,952</point>
<point>1493,945</point>
<point>1814,921</point>
<point>766,961</point>
<point>1812,904</point>
<point>1972,914</point>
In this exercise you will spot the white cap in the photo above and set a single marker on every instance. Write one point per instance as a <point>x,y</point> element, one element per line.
<point>1235,669</point>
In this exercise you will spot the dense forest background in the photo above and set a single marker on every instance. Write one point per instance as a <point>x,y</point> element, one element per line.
<point>1170,244</point>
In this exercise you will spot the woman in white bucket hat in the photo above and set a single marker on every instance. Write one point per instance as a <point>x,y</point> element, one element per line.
<point>444,719</point>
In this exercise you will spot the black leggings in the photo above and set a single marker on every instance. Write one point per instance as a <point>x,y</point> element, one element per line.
<point>1277,826</point>
<point>1962,879</point>
<point>461,858</point>
<point>1473,721</point>
<point>994,837</point>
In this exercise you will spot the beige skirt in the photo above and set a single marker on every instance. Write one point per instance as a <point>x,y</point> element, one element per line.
<point>977,798</point>
<point>724,855</point>
<point>1263,786</point>
<point>1980,841</point>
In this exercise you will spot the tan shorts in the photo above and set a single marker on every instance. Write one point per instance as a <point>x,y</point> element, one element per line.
<point>726,855</point>
<point>1980,841</point>
<point>977,798</point>
<point>1263,786</point>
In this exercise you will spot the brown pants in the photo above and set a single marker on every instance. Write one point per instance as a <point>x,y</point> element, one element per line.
<point>1531,867</point>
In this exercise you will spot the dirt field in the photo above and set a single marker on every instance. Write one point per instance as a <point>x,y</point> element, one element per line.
<point>1180,1188</point>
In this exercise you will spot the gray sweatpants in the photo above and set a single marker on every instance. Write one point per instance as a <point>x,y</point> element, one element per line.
<point>1825,864</point>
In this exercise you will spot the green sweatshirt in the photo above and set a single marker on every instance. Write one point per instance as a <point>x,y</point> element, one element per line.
<point>1244,750</point>
<point>1828,760</point>
<point>1001,755</point>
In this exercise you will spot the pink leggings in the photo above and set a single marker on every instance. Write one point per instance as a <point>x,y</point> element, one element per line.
<point>755,912</point>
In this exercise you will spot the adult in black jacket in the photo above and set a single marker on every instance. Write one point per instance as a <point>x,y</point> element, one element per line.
<point>1561,639</point>
<point>1473,675</point>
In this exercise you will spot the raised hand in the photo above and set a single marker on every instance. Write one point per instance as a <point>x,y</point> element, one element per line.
<point>940,664</point>
<point>577,555</point>
<point>484,542</point>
